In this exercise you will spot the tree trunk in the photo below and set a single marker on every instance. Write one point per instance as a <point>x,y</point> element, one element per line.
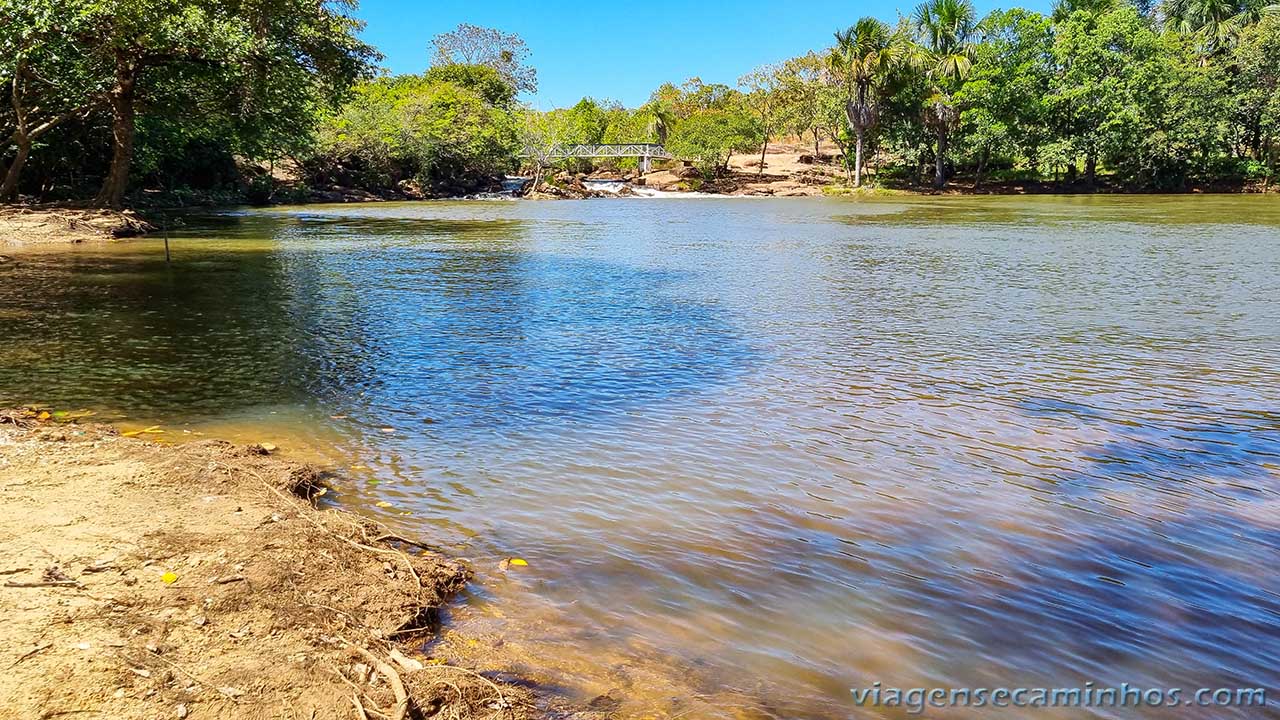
<point>1090,168</point>
<point>817,156</point>
<point>122,131</point>
<point>763,149</point>
<point>977,176</point>
<point>940,162</point>
<point>857,162</point>
<point>9,188</point>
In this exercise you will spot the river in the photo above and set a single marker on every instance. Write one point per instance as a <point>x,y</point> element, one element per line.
<point>755,452</point>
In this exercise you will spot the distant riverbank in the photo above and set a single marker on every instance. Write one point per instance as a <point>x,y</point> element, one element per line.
<point>788,171</point>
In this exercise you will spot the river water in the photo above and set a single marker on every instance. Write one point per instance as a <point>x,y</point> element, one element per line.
<point>755,452</point>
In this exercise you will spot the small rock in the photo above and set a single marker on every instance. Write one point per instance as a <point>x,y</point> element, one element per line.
<point>182,710</point>
<point>200,621</point>
<point>119,693</point>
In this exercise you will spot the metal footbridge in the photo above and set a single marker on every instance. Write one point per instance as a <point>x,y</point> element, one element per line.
<point>645,151</point>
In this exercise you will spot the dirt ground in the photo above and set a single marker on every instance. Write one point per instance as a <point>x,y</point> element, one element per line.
<point>141,580</point>
<point>24,224</point>
<point>788,172</point>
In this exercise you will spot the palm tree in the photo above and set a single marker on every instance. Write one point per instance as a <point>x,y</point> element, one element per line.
<point>1217,23</point>
<point>864,58</point>
<point>946,29</point>
<point>661,118</point>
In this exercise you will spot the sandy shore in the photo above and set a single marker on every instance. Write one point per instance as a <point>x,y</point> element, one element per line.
<point>29,225</point>
<point>142,580</point>
<point>788,171</point>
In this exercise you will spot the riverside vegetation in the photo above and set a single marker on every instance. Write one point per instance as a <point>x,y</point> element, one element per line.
<point>175,101</point>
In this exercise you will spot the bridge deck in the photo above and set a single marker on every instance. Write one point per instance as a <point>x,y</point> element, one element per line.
<point>618,150</point>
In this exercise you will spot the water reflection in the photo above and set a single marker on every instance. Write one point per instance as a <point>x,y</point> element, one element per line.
<point>391,321</point>
<point>756,452</point>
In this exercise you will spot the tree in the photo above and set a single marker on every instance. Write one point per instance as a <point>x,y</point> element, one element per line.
<point>1216,24</point>
<point>441,135</point>
<point>45,81</point>
<point>694,96</point>
<point>1092,98</point>
<point>659,117</point>
<point>261,44</point>
<point>1004,111</point>
<point>763,85</point>
<point>865,57</point>
<point>474,45</point>
<point>946,32</point>
<point>540,133</point>
<point>488,83</point>
<point>1256,91</point>
<point>710,137</point>
<point>802,96</point>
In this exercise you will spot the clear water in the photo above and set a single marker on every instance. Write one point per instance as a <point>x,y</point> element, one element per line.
<point>756,452</point>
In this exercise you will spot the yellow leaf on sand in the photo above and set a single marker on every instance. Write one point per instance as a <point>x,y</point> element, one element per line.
<point>153,430</point>
<point>519,562</point>
<point>512,562</point>
<point>44,415</point>
<point>169,578</point>
<point>383,504</point>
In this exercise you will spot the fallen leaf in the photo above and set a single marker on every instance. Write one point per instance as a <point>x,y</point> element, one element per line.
<point>169,578</point>
<point>153,430</point>
<point>383,504</point>
<point>519,562</point>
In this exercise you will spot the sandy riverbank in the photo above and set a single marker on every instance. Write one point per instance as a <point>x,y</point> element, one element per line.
<point>35,224</point>
<point>143,580</point>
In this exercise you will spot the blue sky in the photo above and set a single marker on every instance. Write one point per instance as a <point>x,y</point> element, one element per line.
<point>622,51</point>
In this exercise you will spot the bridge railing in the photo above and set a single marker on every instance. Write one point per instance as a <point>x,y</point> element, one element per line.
<point>614,150</point>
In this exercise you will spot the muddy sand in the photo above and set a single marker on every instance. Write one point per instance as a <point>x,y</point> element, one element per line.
<point>144,580</point>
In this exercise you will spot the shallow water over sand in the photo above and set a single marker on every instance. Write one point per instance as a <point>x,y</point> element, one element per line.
<point>761,451</point>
